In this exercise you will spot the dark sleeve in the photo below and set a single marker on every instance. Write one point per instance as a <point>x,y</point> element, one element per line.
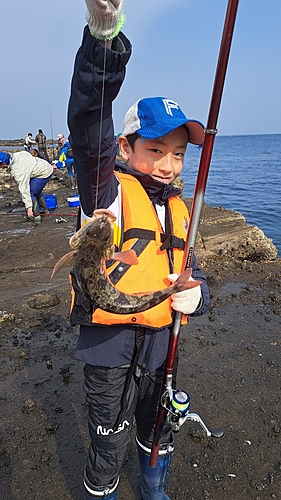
<point>198,274</point>
<point>98,75</point>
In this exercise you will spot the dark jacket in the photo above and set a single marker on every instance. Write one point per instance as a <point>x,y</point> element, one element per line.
<point>40,139</point>
<point>99,345</point>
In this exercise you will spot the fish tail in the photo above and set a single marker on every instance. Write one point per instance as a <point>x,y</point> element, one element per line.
<point>184,282</point>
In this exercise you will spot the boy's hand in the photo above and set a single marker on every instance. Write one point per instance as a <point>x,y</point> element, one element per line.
<point>185,302</point>
<point>105,18</point>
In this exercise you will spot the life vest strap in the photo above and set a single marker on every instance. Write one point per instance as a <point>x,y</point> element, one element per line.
<point>171,241</point>
<point>118,271</point>
<point>145,234</point>
<point>168,241</point>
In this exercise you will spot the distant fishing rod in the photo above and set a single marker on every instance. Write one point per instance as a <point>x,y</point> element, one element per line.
<point>52,135</point>
<point>198,199</point>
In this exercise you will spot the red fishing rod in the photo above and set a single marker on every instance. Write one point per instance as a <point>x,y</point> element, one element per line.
<point>197,203</point>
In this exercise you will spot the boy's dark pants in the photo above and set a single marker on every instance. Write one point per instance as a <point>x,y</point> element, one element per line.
<point>104,388</point>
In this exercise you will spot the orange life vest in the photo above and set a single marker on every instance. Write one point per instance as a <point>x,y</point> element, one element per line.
<point>142,231</point>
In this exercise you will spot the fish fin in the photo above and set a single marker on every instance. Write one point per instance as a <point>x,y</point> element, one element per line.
<point>74,240</point>
<point>63,262</point>
<point>184,283</point>
<point>127,257</point>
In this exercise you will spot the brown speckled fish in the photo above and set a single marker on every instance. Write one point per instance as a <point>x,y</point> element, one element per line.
<point>93,245</point>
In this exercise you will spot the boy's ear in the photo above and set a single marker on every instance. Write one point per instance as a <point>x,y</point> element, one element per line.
<point>124,147</point>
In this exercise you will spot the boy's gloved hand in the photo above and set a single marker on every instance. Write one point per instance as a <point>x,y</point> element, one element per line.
<point>105,18</point>
<point>185,302</point>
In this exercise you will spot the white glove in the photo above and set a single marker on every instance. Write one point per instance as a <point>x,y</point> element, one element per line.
<point>185,302</point>
<point>105,18</point>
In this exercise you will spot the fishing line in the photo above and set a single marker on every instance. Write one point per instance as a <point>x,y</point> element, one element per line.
<point>100,131</point>
<point>100,126</point>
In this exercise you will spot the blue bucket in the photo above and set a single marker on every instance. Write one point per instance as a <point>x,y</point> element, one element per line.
<point>51,201</point>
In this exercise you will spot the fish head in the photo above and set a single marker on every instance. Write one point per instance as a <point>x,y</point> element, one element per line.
<point>104,212</point>
<point>100,233</point>
<point>79,237</point>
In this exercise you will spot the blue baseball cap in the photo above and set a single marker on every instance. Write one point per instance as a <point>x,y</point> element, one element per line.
<point>153,117</point>
<point>4,158</point>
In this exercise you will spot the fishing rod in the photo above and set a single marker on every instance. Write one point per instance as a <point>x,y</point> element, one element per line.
<point>196,208</point>
<point>51,126</point>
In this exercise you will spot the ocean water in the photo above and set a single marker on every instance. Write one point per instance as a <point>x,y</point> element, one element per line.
<point>244,175</point>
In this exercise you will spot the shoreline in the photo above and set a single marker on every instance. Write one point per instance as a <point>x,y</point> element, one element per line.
<point>229,364</point>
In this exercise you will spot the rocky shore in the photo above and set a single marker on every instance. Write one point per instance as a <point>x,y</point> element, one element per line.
<point>15,145</point>
<point>226,232</point>
<point>18,143</point>
<point>229,363</point>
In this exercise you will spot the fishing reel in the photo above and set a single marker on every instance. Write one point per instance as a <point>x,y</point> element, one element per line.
<point>177,403</point>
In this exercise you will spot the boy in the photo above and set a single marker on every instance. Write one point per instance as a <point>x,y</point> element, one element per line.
<point>125,355</point>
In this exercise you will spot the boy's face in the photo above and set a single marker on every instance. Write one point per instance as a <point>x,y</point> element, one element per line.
<point>161,158</point>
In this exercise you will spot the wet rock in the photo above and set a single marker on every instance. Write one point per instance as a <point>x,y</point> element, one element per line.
<point>51,427</point>
<point>179,183</point>
<point>202,341</point>
<point>224,232</point>
<point>43,301</point>
<point>58,409</point>
<point>5,460</point>
<point>49,364</point>
<point>197,434</point>
<point>65,373</point>
<point>218,476</point>
<point>213,279</point>
<point>206,494</point>
<point>5,316</point>
<point>259,484</point>
<point>28,407</point>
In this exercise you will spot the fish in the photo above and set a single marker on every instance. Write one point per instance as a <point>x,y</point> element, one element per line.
<point>75,242</point>
<point>92,246</point>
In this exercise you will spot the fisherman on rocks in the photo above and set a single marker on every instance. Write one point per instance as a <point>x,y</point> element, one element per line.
<point>31,174</point>
<point>124,354</point>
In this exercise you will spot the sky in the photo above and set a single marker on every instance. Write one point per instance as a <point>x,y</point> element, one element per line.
<point>175,51</point>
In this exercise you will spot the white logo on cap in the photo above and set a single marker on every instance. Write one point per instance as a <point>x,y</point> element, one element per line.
<point>169,105</point>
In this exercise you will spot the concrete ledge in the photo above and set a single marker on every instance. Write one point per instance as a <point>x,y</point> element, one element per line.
<point>224,231</point>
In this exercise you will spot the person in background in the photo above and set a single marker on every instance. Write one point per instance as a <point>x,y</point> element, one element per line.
<point>41,143</point>
<point>125,355</point>
<point>67,158</point>
<point>38,154</point>
<point>28,142</point>
<point>116,137</point>
<point>60,143</point>
<point>31,174</point>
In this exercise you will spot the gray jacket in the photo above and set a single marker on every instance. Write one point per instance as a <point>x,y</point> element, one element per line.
<point>23,167</point>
